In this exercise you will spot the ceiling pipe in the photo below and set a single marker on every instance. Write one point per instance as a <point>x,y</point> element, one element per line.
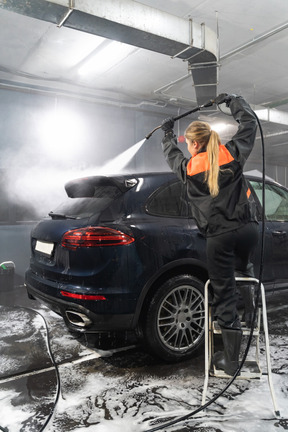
<point>273,135</point>
<point>254,41</point>
<point>172,83</point>
<point>52,92</point>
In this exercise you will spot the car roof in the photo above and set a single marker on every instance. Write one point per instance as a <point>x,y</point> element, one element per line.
<point>125,181</point>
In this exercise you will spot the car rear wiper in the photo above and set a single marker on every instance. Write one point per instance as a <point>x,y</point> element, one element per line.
<point>61,216</point>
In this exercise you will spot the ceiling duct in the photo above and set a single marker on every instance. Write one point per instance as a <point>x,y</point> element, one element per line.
<point>135,24</point>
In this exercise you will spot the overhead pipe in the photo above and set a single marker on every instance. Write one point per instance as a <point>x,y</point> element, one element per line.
<point>254,41</point>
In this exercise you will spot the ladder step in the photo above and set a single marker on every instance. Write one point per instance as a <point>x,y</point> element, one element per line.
<point>250,370</point>
<point>246,330</point>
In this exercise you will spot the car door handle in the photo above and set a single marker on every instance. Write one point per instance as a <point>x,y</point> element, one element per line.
<point>279,233</point>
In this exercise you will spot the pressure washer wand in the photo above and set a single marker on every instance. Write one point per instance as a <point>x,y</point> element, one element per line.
<point>198,108</point>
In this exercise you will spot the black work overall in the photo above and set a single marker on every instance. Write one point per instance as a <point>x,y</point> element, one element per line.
<point>227,254</point>
<point>229,220</point>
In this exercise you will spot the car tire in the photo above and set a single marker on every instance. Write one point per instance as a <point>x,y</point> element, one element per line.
<point>174,325</point>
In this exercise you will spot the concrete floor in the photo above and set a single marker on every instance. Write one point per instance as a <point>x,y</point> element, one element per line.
<point>111,383</point>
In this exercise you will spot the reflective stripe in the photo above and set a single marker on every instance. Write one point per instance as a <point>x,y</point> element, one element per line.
<point>199,163</point>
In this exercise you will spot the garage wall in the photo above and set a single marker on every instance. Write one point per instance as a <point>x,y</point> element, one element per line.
<point>36,159</point>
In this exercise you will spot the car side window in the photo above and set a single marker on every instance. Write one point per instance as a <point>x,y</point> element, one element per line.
<point>276,201</point>
<point>169,200</point>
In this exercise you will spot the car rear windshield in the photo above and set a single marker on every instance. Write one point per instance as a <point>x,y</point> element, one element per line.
<point>85,207</point>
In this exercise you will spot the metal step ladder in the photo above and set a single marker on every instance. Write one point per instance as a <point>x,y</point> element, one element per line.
<point>250,369</point>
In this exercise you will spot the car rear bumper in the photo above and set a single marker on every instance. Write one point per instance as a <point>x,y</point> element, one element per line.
<point>78,318</point>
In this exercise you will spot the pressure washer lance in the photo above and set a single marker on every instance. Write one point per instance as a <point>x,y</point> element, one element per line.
<point>198,108</point>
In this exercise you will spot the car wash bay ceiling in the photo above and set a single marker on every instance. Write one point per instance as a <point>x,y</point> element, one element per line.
<point>173,53</point>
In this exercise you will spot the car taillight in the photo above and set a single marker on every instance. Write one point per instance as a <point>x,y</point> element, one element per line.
<point>93,237</point>
<point>82,296</point>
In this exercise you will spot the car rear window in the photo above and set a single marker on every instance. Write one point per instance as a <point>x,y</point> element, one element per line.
<point>84,207</point>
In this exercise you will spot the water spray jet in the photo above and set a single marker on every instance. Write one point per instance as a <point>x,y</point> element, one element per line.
<point>120,161</point>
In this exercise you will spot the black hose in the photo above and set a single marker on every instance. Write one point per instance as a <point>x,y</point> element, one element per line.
<point>56,370</point>
<point>4,429</point>
<point>203,407</point>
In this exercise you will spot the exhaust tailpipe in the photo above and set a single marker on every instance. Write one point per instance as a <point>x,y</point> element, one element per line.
<point>78,319</point>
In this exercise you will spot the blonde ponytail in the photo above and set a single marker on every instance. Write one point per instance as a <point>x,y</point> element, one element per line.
<point>211,176</point>
<point>208,140</point>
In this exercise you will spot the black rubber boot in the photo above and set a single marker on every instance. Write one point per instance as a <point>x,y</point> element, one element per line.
<point>228,360</point>
<point>247,293</point>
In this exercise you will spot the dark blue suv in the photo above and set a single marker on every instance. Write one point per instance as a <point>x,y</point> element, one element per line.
<point>122,253</point>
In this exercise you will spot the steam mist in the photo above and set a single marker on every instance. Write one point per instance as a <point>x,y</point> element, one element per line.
<point>48,141</point>
<point>40,189</point>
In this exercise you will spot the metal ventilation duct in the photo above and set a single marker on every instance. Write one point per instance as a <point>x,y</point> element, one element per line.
<point>138,25</point>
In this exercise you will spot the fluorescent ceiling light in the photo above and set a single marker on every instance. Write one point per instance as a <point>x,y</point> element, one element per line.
<point>106,58</point>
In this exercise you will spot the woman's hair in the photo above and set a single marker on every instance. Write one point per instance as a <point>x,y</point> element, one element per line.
<point>209,141</point>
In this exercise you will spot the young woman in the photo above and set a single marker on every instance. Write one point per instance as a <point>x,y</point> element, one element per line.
<point>224,210</point>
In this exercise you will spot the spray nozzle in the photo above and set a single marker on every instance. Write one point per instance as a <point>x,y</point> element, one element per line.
<point>198,108</point>
<point>151,133</point>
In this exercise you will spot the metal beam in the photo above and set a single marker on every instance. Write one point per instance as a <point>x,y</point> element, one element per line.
<point>138,25</point>
<point>271,115</point>
<point>39,9</point>
<point>153,29</point>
